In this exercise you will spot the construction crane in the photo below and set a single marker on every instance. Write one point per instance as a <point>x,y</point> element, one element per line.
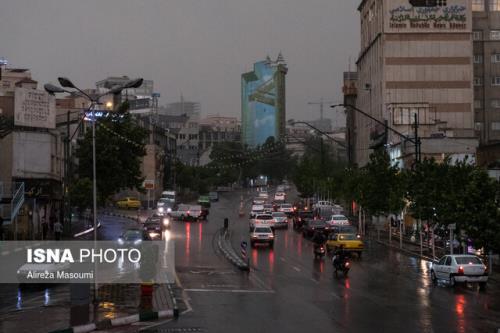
<point>321,104</point>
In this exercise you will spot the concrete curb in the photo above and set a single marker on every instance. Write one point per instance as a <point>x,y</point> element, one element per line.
<point>123,216</point>
<point>110,323</point>
<point>413,254</point>
<point>228,252</point>
<point>88,230</point>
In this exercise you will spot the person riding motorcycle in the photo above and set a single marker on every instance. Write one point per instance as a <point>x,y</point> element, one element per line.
<point>319,239</point>
<point>339,256</point>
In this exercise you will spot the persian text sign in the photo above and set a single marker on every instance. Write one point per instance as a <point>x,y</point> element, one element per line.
<point>34,108</point>
<point>406,18</point>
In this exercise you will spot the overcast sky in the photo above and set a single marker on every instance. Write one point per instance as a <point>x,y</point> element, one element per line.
<point>197,47</point>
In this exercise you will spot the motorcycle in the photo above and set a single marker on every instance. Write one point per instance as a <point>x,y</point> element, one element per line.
<point>319,251</point>
<point>341,265</point>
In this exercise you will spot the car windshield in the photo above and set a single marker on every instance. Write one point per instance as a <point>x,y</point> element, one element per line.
<point>132,235</point>
<point>264,217</point>
<point>279,215</point>
<point>339,217</point>
<point>306,214</point>
<point>263,230</point>
<point>286,206</point>
<point>195,207</point>
<point>183,208</point>
<point>348,237</point>
<point>468,260</point>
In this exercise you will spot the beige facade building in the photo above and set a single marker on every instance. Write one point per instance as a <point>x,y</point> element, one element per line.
<point>415,61</point>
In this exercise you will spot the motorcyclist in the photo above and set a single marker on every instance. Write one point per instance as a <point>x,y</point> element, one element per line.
<point>339,256</point>
<point>318,239</point>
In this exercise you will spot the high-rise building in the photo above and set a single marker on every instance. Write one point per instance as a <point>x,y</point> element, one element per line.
<point>263,102</point>
<point>486,37</point>
<point>415,70</point>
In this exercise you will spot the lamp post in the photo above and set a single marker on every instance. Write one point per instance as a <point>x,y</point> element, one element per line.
<point>94,100</point>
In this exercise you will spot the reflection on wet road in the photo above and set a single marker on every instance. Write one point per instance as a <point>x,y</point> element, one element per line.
<point>289,290</point>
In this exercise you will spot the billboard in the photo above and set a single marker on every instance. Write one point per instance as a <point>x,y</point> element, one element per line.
<point>407,16</point>
<point>34,108</point>
<point>263,106</point>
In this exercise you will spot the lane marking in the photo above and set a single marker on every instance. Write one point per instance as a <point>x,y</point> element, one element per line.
<point>242,291</point>
<point>282,259</point>
<point>315,281</point>
<point>296,268</point>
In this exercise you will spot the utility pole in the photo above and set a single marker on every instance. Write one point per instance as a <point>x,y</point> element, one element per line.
<point>417,140</point>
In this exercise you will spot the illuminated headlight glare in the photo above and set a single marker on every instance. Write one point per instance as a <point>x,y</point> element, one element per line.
<point>120,241</point>
<point>169,210</point>
<point>161,209</point>
<point>166,222</point>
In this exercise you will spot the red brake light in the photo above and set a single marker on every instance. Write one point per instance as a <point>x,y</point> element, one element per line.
<point>460,270</point>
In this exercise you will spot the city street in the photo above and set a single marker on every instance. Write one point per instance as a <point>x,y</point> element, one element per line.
<point>288,291</point>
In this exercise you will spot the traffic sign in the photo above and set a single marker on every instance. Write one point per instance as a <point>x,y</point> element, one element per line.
<point>452,226</point>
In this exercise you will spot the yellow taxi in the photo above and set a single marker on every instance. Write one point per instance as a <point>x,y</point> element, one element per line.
<point>351,243</point>
<point>128,203</point>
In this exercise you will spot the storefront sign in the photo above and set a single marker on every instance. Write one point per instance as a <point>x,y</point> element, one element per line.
<point>446,18</point>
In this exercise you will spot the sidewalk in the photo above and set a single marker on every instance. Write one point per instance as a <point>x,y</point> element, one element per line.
<point>413,249</point>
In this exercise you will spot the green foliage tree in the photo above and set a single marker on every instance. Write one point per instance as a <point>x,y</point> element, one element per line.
<point>120,147</point>
<point>81,193</point>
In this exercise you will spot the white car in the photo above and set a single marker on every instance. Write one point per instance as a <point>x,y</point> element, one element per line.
<point>263,220</point>
<point>262,234</point>
<point>264,195</point>
<point>323,204</point>
<point>258,201</point>
<point>186,212</point>
<point>460,268</point>
<point>279,196</point>
<point>281,220</point>
<point>256,209</point>
<point>286,208</point>
<point>268,208</point>
<point>338,220</point>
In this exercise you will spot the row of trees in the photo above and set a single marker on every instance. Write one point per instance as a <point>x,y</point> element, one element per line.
<point>437,193</point>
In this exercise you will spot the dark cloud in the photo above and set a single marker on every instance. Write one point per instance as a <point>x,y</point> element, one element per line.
<point>197,47</point>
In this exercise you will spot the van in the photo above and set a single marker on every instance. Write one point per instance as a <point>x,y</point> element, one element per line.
<point>169,196</point>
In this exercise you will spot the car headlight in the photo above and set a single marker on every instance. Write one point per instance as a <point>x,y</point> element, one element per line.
<point>120,241</point>
<point>169,210</point>
<point>161,209</point>
<point>137,241</point>
<point>166,222</point>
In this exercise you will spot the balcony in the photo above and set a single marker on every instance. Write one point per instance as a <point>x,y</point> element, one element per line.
<point>11,200</point>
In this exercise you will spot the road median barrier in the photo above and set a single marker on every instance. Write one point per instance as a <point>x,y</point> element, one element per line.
<point>226,248</point>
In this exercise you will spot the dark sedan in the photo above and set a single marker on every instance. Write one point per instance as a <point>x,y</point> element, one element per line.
<point>312,226</point>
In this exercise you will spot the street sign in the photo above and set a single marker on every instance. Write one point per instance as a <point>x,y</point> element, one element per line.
<point>452,226</point>
<point>149,184</point>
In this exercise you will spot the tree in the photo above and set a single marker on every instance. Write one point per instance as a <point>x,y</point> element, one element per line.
<point>120,147</point>
<point>81,193</point>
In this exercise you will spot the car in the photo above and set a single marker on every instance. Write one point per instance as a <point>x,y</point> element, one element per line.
<point>169,195</point>
<point>350,243</point>
<point>214,196</point>
<point>153,227</point>
<point>344,229</point>
<point>286,208</point>
<point>261,235</point>
<point>163,207</point>
<point>187,212</point>
<point>460,268</point>
<point>258,201</point>
<point>281,220</point>
<point>263,219</point>
<point>268,208</point>
<point>128,203</point>
<point>300,217</point>
<point>336,220</point>
<point>280,188</point>
<point>256,209</point>
<point>204,202</point>
<point>131,237</point>
<point>264,195</point>
<point>323,203</point>
<point>279,196</point>
<point>312,226</point>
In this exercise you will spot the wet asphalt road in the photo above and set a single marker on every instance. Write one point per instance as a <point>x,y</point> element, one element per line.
<point>288,291</point>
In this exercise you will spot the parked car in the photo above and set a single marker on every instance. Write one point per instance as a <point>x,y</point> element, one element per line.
<point>312,226</point>
<point>128,203</point>
<point>460,268</point>
<point>281,220</point>
<point>214,196</point>
<point>300,217</point>
<point>262,235</point>
<point>350,243</point>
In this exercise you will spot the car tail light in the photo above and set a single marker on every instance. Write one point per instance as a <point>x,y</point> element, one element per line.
<point>188,212</point>
<point>347,264</point>
<point>460,270</point>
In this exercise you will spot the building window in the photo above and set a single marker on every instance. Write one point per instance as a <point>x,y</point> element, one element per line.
<point>495,81</point>
<point>495,57</point>
<point>495,103</point>
<point>478,81</point>
<point>478,58</point>
<point>477,35</point>
<point>478,126</point>
<point>477,104</point>
<point>495,126</point>
<point>478,5</point>
<point>494,5</point>
<point>495,34</point>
